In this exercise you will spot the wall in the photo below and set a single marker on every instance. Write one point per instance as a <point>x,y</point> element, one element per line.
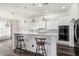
<point>73,14</point>
<point>14,29</point>
<point>15,26</point>
<point>24,25</point>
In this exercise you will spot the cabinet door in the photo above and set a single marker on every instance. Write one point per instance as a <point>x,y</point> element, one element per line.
<point>38,24</point>
<point>34,26</point>
<point>41,24</point>
<point>52,25</point>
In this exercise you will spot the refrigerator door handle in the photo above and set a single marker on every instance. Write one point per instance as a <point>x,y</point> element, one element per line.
<point>75,31</point>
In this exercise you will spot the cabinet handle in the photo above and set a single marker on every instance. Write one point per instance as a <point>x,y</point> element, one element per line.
<point>75,31</point>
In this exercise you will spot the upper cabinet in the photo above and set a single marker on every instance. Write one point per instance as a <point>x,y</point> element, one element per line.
<point>44,24</point>
<point>41,24</point>
<point>52,24</point>
<point>34,26</point>
<point>37,24</point>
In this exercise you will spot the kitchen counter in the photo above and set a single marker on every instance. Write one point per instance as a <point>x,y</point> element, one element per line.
<point>30,33</point>
<point>51,40</point>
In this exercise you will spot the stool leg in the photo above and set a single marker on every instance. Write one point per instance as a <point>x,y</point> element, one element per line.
<point>24,47</point>
<point>45,51</point>
<point>42,50</point>
<point>36,50</point>
<point>20,48</point>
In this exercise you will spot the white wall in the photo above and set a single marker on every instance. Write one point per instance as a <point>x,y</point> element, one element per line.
<point>24,26</point>
<point>14,28</point>
<point>73,14</point>
<point>74,11</point>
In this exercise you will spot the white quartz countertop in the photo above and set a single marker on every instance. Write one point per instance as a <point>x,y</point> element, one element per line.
<point>30,33</point>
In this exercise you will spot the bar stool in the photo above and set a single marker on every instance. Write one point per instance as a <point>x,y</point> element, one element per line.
<point>40,46</point>
<point>20,43</point>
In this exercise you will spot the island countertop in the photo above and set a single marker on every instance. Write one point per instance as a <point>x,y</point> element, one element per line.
<point>30,33</point>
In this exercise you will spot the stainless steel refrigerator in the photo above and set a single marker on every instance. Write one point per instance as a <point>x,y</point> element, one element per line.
<point>76,36</point>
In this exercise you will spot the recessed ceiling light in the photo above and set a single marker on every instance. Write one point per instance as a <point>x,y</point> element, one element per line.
<point>63,7</point>
<point>40,5</point>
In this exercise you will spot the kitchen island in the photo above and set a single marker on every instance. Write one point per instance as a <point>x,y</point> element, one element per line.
<point>30,42</point>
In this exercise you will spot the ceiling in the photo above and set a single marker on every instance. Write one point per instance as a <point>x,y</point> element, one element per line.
<point>33,10</point>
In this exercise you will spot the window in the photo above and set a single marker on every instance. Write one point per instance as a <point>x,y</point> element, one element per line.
<point>5,29</point>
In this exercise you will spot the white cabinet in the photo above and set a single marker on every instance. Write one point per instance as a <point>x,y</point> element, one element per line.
<point>38,24</point>
<point>52,25</point>
<point>34,26</point>
<point>41,24</point>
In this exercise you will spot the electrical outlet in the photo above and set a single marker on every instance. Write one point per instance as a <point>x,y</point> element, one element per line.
<point>32,45</point>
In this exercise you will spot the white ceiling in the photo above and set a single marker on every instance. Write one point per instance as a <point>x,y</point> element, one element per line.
<point>28,10</point>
